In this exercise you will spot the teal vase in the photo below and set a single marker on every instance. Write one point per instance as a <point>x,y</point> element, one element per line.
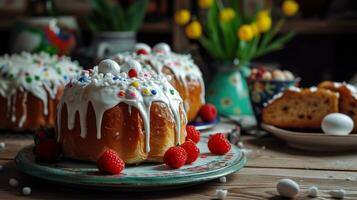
<point>228,91</point>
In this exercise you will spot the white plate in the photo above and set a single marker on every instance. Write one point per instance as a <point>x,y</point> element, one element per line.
<point>313,141</point>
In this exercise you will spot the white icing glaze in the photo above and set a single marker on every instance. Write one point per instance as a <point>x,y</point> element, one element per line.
<point>105,91</point>
<point>182,66</point>
<point>40,74</point>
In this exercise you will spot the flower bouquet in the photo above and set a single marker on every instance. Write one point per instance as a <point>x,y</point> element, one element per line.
<point>229,35</point>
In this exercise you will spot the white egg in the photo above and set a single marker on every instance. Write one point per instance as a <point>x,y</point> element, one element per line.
<point>143,46</point>
<point>221,194</point>
<point>337,124</point>
<point>287,188</point>
<point>162,48</point>
<point>108,66</point>
<point>338,194</point>
<point>131,64</point>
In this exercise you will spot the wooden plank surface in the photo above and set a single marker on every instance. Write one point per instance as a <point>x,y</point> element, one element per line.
<point>268,161</point>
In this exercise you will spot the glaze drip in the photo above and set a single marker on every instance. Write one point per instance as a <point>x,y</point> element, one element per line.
<point>39,74</point>
<point>139,89</point>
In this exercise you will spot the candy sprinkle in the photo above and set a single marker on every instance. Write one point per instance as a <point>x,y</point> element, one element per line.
<point>132,94</point>
<point>172,91</point>
<point>37,78</point>
<point>153,92</point>
<point>83,79</point>
<point>115,78</point>
<point>146,92</point>
<point>135,84</point>
<point>121,93</point>
<point>28,79</point>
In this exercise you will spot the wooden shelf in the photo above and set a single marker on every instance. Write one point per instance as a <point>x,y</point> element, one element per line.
<point>321,26</point>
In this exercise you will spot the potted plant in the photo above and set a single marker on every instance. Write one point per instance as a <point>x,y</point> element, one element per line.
<point>233,39</point>
<point>115,25</point>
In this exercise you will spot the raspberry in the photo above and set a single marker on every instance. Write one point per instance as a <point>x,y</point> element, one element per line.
<point>218,144</point>
<point>110,163</point>
<point>192,134</point>
<point>208,112</point>
<point>192,151</point>
<point>142,52</point>
<point>47,151</point>
<point>132,73</point>
<point>175,157</point>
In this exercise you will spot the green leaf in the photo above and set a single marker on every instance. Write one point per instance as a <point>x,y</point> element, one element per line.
<point>228,39</point>
<point>117,18</point>
<point>210,47</point>
<point>275,45</point>
<point>213,30</point>
<point>101,7</point>
<point>135,14</point>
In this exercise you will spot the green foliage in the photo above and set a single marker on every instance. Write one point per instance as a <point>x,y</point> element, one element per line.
<point>222,43</point>
<point>108,17</point>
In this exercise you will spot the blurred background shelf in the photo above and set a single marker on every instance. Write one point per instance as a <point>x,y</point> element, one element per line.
<point>316,26</point>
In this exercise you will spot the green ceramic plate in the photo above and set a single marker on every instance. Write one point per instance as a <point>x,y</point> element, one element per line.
<point>146,176</point>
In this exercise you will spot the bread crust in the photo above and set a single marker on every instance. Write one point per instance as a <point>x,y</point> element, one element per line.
<point>26,104</point>
<point>122,132</point>
<point>304,109</point>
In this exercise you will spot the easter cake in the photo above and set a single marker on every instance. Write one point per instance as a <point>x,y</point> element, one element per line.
<point>300,108</point>
<point>30,88</point>
<point>347,100</point>
<point>186,76</point>
<point>137,113</point>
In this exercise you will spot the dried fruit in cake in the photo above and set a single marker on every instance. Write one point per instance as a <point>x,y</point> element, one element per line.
<point>300,108</point>
<point>192,134</point>
<point>110,163</point>
<point>192,151</point>
<point>175,157</point>
<point>47,151</point>
<point>208,112</point>
<point>218,144</point>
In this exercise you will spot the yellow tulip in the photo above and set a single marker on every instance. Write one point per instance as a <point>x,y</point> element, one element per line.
<point>194,30</point>
<point>182,17</point>
<point>227,14</point>
<point>263,13</point>
<point>264,23</point>
<point>290,7</point>
<point>245,33</point>
<point>255,28</point>
<point>205,4</point>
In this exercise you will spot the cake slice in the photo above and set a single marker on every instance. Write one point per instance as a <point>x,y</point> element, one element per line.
<point>300,108</point>
<point>347,100</point>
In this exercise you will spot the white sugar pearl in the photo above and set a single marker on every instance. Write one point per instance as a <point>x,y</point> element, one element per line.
<point>26,190</point>
<point>223,179</point>
<point>2,145</point>
<point>162,48</point>
<point>221,194</point>
<point>287,188</point>
<point>143,46</point>
<point>338,194</point>
<point>313,191</point>
<point>108,66</point>
<point>13,182</point>
<point>131,64</point>
<point>267,76</point>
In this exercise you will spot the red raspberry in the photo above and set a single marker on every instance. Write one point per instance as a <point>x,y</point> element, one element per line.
<point>142,51</point>
<point>208,112</point>
<point>218,144</point>
<point>192,134</point>
<point>47,151</point>
<point>175,157</point>
<point>110,163</point>
<point>132,73</point>
<point>192,151</point>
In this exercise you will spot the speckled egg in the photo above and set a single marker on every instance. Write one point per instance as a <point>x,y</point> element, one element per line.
<point>287,188</point>
<point>131,64</point>
<point>337,124</point>
<point>108,66</point>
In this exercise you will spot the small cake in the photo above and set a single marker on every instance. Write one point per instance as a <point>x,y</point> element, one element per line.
<point>186,76</point>
<point>347,100</point>
<point>300,108</point>
<point>125,108</point>
<point>30,88</point>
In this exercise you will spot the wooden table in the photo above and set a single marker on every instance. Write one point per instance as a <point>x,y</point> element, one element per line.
<point>268,161</point>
